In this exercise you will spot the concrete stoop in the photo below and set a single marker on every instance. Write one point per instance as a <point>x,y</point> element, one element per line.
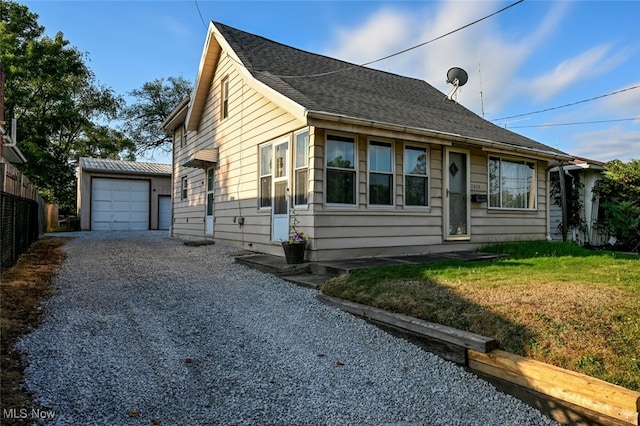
<point>313,274</point>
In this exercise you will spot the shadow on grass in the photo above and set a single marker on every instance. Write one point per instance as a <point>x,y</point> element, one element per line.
<point>417,291</point>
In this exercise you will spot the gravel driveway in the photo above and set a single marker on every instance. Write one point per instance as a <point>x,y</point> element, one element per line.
<point>145,330</point>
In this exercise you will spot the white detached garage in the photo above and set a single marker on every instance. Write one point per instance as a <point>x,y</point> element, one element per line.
<point>116,195</point>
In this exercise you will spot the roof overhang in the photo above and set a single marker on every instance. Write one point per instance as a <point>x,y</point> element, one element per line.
<point>177,116</point>
<point>320,119</point>
<point>214,47</point>
<point>203,159</point>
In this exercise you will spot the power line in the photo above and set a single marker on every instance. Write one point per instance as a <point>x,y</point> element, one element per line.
<point>444,35</point>
<point>576,123</point>
<point>568,105</point>
<point>407,49</point>
<point>200,13</point>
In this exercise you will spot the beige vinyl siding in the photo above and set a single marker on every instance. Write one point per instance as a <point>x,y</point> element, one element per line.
<point>370,231</point>
<point>252,120</point>
<point>495,225</point>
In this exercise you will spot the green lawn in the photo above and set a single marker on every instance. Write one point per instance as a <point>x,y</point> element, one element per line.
<point>555,302</point>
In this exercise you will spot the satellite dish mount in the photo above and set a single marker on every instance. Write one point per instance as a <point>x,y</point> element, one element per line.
<point>458,78</point>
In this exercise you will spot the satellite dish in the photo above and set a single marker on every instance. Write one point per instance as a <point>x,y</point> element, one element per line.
<point>458,77</point>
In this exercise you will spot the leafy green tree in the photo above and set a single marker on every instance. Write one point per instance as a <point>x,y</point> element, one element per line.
<point>154,101</point>
<point>619,194</point>
<point>62,112</point>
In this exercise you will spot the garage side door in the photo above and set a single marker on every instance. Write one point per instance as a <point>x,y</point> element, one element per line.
<point>119,205</point>
<point>164,212</point>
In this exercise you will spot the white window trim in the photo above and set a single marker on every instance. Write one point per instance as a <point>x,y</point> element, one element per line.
<point>260,175</point>
<point>224,98</point>
<point>295,169</point>
<point>184,188</point>
<point>392,173</point>
<point>427,149</point>
<point>339,206</point>
<point>534,178</point>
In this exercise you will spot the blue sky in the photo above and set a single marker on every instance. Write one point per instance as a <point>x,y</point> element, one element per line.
<point>536,55</point>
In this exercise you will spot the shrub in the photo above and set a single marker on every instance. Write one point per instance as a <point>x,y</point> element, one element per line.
<point>619,193</point>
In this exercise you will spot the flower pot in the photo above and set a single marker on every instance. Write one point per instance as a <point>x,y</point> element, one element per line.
<point>294,252</point>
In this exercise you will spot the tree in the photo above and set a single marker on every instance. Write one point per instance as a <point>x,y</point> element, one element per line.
<point>619,194</point>
<point>61,111</point>
<point>153,103</point>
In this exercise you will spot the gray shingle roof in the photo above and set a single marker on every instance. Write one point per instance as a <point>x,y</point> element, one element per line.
<point>124,167</point>
<point>362,93</point>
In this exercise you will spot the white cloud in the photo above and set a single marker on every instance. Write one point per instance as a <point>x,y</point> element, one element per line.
<point>490,57</point>
<point>616,142</point>
<point>625,104</point>
<point>592,63</point>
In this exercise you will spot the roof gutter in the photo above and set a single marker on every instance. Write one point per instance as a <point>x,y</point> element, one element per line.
<point>12,141</point>
<point>178,112</point>
<point>485,143</point>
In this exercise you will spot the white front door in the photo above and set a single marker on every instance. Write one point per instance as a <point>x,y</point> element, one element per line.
<point>280,203</point>
<point>208,221</point>
<point>457,206</point>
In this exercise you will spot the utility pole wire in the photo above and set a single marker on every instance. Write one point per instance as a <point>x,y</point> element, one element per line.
<point>443,35</point>
<point>404,50</point>
<point>568,105</point>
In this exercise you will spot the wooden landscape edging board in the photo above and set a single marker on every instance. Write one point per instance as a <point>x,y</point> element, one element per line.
<point>481,355</point>
<point>565,385</point>
<point>460,338</point>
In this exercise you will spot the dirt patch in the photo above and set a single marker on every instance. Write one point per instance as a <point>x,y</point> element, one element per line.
<point>23,288</point>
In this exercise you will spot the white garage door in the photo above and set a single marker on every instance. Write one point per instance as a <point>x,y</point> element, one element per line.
<point>119,205</point>
<point>164,212</point>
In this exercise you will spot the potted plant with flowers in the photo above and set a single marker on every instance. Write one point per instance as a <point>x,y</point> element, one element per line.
<point>295,246</point>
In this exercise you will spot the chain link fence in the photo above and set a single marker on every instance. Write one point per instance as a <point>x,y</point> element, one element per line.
<point>19,227</point>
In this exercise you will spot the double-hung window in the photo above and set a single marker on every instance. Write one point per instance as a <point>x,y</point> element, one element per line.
<point>380,173</point>
<point>512,183</point>
<point>224,98</point>
<point>266,172</point>
<point>341,170</point>
<point>301,168</point>
<point>416,176</point>
<point>183,188</point>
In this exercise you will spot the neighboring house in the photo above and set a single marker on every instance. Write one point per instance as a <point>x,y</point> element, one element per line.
<point>582,174</point>
<point>373,163</point>
<point>123,195</point>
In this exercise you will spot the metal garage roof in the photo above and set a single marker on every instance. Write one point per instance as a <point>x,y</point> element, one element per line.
<point>124,167</point>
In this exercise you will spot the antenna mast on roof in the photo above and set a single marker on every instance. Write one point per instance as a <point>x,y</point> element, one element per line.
<point>458,77</point>
<point>480,78</point>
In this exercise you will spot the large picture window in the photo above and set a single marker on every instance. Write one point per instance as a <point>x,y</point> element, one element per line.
<point>512,183</point>
<point>341,170</point>
<point>301,168</point>
<point>265,175</point>
<point>380,174</point>
<point>416,177</point>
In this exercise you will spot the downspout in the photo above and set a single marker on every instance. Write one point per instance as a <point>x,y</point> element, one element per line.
<point>548,216</point>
